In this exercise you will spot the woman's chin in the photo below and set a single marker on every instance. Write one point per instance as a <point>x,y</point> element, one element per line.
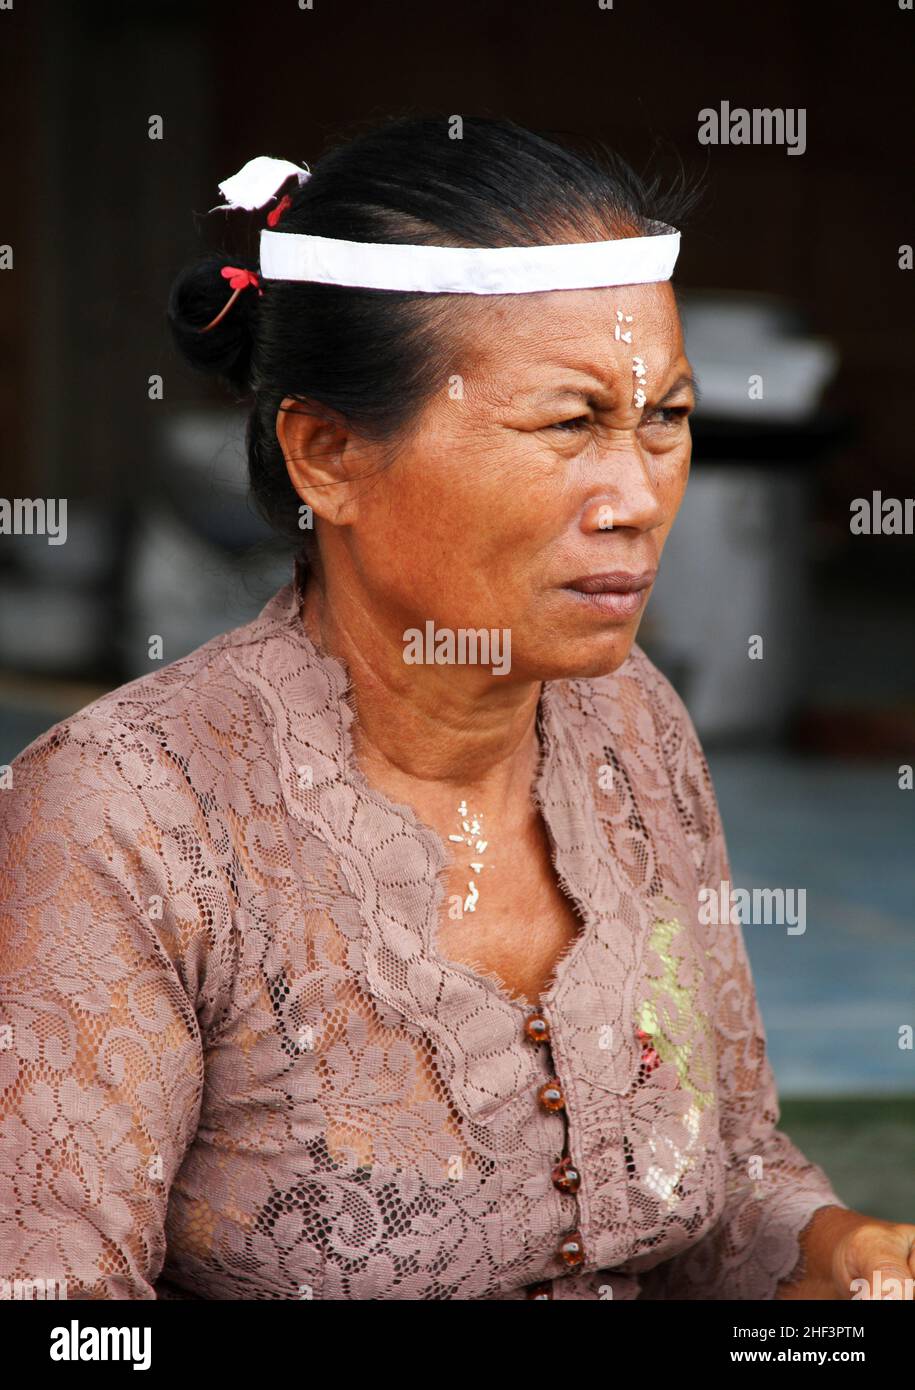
<point>584,657</point>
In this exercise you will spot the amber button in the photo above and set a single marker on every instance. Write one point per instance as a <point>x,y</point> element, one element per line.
<point>537,1029</point>
<point>566,1176</point>
<point>571,1251</point>
<point>551,1097</point>
<point>540,1291</point>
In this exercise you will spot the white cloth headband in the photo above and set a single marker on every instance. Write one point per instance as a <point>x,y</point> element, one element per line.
<point>444,269</point>
<point>468,270</point>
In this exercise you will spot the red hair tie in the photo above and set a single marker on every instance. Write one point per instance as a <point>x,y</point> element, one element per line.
<point>239,279</point>
<point>276,213</point>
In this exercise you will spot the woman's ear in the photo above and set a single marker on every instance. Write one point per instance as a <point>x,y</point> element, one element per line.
<point>317,449</point>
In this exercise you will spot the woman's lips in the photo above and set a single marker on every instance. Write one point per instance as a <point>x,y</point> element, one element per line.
<point>618,594</point>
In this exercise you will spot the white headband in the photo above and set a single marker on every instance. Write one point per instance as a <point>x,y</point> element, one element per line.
<point>444,269</point>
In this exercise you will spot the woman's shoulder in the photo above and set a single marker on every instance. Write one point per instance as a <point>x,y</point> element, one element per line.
<point>116,823</point>
<point>204,698</point>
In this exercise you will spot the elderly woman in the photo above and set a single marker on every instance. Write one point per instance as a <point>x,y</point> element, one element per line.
<point>360,953</point>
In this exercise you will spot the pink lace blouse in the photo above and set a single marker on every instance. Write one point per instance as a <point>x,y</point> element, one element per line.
<point>233,1063</point>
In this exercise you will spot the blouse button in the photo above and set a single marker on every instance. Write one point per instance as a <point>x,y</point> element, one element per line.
<point>566,1176</point>
<point>571,1251</point>
<point>537,1029</point>
<point>551,1097</point>
<point>540,1291</point>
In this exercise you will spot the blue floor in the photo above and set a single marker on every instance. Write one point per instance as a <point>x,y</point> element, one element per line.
<point>833,999</point>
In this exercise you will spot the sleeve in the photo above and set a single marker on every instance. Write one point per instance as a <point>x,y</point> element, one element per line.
<point>110,915</point>
<point>772,1190</point>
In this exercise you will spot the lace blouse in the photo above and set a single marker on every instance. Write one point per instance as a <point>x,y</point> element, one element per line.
<point>234,1065</point>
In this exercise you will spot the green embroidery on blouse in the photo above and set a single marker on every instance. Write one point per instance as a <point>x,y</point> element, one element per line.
<point>694,1060</point>
<point>689,1060</point>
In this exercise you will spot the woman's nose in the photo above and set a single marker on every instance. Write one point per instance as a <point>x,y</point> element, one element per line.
<point>629,497</point>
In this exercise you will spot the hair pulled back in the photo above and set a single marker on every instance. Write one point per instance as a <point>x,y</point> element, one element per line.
<point>374,357</point>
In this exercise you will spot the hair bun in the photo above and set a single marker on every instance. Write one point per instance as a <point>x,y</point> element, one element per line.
<point>199,294</point>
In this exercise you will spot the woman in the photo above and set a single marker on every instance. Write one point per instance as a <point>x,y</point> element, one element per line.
<point>358,954</point>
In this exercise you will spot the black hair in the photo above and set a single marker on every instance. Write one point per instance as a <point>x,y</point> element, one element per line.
<point>375,357</point>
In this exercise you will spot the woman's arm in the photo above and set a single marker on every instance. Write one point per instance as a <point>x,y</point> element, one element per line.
<point>105,977</point>
<point>850,1255</point>
<point>772,1190</point>
<point>818,1242</point>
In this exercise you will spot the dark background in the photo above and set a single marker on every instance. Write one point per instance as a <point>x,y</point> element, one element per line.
<point>101,218</point>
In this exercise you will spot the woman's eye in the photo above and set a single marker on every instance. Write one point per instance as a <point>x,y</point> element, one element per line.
<point>576,423</point>
<point>667,415</point>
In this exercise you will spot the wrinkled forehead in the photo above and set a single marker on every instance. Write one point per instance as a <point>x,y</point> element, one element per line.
<point>510,332</point>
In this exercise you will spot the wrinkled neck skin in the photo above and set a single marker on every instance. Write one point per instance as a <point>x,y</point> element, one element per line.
<point>429,735</point>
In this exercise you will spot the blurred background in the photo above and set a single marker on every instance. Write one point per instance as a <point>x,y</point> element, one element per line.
<point>789,276</point>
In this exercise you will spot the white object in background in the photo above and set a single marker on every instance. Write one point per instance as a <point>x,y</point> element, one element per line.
<point>752,358</point>
<point>733,568</point>
<point>789,377</point>
<point>186,591</point>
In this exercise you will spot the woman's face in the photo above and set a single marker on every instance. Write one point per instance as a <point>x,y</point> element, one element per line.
<point>558,451</point>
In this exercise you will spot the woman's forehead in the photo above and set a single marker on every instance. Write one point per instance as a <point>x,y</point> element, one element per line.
<point>597,333</point>
<point>623,316</point>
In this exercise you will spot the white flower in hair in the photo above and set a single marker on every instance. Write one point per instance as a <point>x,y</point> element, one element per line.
<point>257,182</point>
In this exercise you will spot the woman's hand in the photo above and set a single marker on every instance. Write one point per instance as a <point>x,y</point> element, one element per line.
<point>876,1259</point>
<point>853,1256</point>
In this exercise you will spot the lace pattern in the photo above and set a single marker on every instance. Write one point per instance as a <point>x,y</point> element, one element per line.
<point>238,1067</point>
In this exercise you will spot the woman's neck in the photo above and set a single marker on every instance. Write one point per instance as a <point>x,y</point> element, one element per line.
<point>430,733</point>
